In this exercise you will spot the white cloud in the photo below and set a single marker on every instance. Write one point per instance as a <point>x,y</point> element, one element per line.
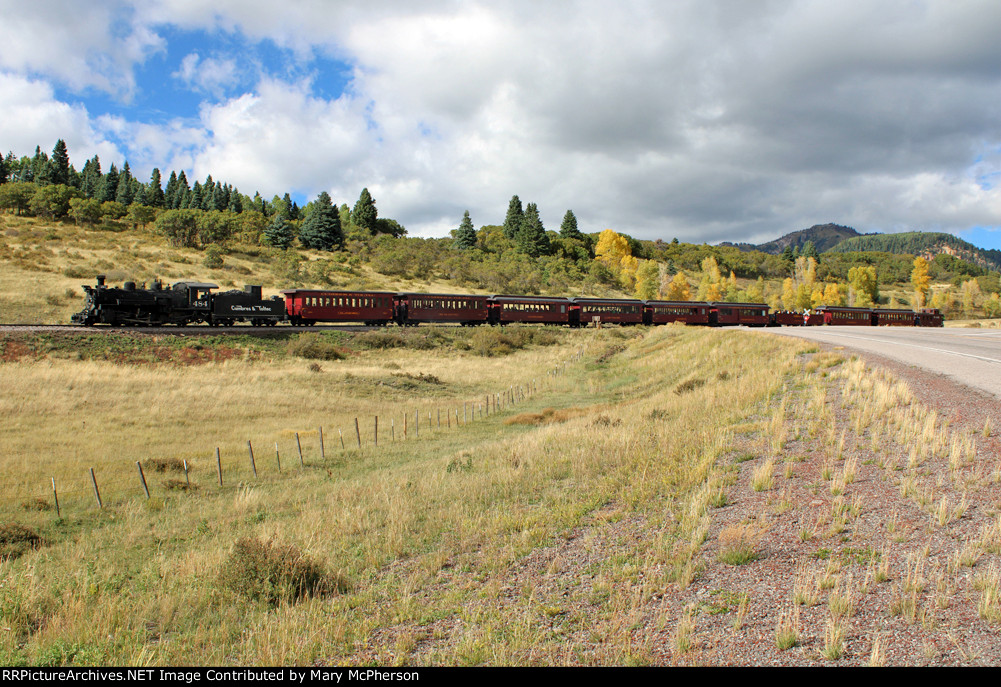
<point>80,44</point>
<point>702,120</point>
<point>32,116</point>
<point>209,75</point>
<point>280,137</point>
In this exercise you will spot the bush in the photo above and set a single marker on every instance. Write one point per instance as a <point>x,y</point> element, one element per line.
<point>164,464</point>
<point>495,342</point>
<point>213,257</point>
<point>312,346</point>
<point>276,573</point>
<point>16,540</point>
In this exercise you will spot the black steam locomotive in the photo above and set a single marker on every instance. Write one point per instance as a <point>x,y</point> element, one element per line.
<point>183,303</point>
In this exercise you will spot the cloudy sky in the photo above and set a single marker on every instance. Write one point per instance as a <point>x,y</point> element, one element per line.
<point>707,120</point>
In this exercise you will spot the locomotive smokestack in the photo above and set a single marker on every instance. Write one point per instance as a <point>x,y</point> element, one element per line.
<point>100,280</point>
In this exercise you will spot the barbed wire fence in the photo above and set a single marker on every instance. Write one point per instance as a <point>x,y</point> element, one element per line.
<point>108,486</point>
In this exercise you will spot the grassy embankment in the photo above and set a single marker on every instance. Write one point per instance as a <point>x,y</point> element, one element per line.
<point>414,543</point>
<point>43,264</point>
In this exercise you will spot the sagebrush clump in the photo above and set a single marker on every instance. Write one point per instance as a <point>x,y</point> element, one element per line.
<point>277,573</point>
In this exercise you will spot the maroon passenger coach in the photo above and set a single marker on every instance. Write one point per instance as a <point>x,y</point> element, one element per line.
<point>606,311</point>
<point>663,312</point>
<point>510,309</point>
<point>840,315</point>
<point>751,314</point>
<point>414,308</point>
<point>305,306</point>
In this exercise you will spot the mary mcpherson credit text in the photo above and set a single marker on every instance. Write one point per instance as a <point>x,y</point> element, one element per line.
<point>188,676</point>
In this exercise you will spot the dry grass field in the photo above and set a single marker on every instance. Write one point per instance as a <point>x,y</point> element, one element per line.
<point>674,496</point>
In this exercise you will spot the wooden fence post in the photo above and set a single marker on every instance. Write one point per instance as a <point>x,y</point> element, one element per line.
<point>358,432</point>
<point>323,455</point>
<point>341,435</point>
<point>298,445</point>
<point>187,480</point>
<point>278,458</point>
<point>142,478</point>
<point>55,497</point>
<point>218,465</point>
<point>250,448</point>
<point>376,433</point>
<point>97,492</point>
<point>404,426</point>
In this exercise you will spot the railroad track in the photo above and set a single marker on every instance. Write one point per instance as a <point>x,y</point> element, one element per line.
<point>191,330</point>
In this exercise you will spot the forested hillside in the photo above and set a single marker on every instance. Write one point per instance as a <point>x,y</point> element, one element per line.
<point>922,243</point>
<point>59,226</point>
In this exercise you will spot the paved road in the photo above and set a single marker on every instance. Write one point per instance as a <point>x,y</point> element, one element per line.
<point>969,356</point>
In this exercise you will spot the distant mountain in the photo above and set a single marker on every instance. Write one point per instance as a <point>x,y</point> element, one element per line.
<point>824,237</point>
<point>928,244</point>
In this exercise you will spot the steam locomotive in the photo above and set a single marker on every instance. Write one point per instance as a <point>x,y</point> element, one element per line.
<point>182,304</point>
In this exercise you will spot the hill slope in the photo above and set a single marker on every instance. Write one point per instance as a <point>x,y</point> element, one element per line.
<point>922,243</point>
<point>823,236</point>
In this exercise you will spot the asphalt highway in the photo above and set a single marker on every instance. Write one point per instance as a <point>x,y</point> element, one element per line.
<point>969,356</point>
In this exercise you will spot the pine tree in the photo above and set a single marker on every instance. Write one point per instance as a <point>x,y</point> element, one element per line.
<point>60,164</point>
<point>531,237</point>
<point>279,232</point>
<point>90,181</point>
<point>154,196</point>
<point>290,209</point>
<point>568,229</point>
<point>123,194</point>
<point>465,235</point>
<point>365,213</point>
<point>515,215</point>
<point>109,185</point>
<point>787,255</point>
<point>810,251</point>
<point>322,228</point>
<point>195,200</point>
<point>41,173</point>
<point>181,192</point>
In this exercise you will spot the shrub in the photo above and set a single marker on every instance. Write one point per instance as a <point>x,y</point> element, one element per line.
<point>16,540</point>
<point>213,257</point>
<point>495,342</point>
<point>689,385</point>
<point>312,346</point>
<point>738,545</point>
<point>276,573</point>
<point>164,464</point>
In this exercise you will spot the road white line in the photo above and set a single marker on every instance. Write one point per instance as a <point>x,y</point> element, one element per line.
<point>901,343</point>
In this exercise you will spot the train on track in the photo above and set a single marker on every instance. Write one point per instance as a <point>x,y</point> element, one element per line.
<point>196,302</point>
